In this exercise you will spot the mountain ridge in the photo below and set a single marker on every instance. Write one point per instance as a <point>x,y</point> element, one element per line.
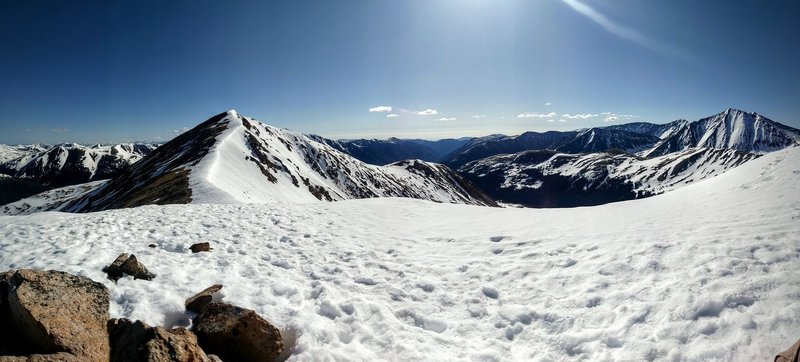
<point>232,158</point>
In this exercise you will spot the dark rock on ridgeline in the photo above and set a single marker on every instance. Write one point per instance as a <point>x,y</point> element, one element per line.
<point>136,341</point>
<point>200,300</point>
<point>237,334</point>
<point>196,248</point>
<point>125,264</point>
<point>52,316</point>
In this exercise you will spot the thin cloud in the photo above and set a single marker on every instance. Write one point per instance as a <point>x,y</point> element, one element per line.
<point>381,109</point>
<point>613,117</point>
<point>479,116</point>
<point>392,115</point>
<point>548,104</point>
<point>427,112</point>
<point>579,116</point>
<point>537,115</point>
<point>447,119</point>
<point>562,120</point>
<point>623,31</point>
<point>60,130</point>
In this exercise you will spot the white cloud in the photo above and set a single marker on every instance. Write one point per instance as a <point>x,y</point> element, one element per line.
<point>60,130</point>
<point>548,104</point>
<point>537,115</point>
<point>392,115</point>
<point>551,120</point>
<point>613,117</point>
<point>479,116</point>
<point>381,109</point>
<point>562,120</point>
<point>622,31</point>
<point>447,119</point>
<point>427,112</point>
<point>581,116</point>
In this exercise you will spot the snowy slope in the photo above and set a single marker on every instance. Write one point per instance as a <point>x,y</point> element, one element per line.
<point>231,158</point>
<point>50,200</point>
<point>69,164</point>
<point>382,152</point>
<point>732,129</point>
<point>552,179</point>
<point>601,139</point>
<point>707,272</point>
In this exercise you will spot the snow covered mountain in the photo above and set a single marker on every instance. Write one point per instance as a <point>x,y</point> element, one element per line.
<point>707,272</point>
<point>732,129</point>
<point>69,164</point>
<point>231,158</point>
<point>543,178</point>
<point>482,147</point>
<point>600,139</point>
<point>382,152</point>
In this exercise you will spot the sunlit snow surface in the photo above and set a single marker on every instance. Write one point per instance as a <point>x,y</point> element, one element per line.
<point>706,272</point>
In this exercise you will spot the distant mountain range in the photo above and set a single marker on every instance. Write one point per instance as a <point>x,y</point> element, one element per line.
<point>732,129</point>
<point>544,178</point>
<point>383,152</point>
<point>233,158</point>
<point>34,168</point>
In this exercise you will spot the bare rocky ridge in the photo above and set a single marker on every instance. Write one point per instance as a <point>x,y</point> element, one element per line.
<point>160,178</point>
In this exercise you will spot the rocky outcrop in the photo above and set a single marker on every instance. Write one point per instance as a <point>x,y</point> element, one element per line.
<point>136,341</point>
<point>125,264</point>
<point>237,334</point>
<point>54,316</point>
<point>199,301</point>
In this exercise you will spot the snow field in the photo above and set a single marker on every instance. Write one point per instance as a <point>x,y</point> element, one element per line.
<point>706,272</point>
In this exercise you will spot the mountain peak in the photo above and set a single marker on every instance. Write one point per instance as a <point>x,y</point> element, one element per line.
<point>736,111</point>
<point>231,158</point>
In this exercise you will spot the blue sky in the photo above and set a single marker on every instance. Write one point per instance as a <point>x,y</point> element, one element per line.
<point>114,71</point>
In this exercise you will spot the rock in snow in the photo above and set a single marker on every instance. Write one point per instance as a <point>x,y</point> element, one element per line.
<point>54,316</point>
<point>136,341</point>
<point>196,248</point>
<point>127,264</point>
<point>237,334</point>
<point>55,313</point>
<point>199,301</point>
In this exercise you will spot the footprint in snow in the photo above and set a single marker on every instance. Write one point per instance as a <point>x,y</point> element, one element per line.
<point>497,239</point>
